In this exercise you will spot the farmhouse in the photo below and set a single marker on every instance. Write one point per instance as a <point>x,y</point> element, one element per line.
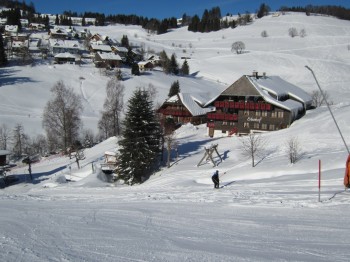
<point>58,33</point>
<point>107,60</point>
<point>64,58</point>
<point>257,104</point>
<point>145,66</point>
<point>64,46</point>
<point>186,108</point>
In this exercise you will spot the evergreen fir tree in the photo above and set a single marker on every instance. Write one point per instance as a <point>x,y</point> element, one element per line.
<point>174,67</point>
<point>185,69</point>
<point>3,57</point>
<point>130,57</point>
<point>125,41</point>
<point>140,142</point>
<point>57,20</point>
<point>135,70</point>
<point>174,89</point>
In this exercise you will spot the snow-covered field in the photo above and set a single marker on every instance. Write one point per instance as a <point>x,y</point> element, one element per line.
<point>267,213</point>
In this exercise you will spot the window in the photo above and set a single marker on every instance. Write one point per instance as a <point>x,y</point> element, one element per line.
<point>274,114</point>
<point>257,113</point>
<point>264,113</point>
<point>246,112</point>
<point>264,126</point>
<point>256,125</point>
<point>246,125</point>
<point>272,127</point>
<point>280,114</point>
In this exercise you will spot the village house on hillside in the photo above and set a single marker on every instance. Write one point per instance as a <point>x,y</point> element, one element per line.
<point>107,60</point>
<point>256,104</point>
<point>186,108</point>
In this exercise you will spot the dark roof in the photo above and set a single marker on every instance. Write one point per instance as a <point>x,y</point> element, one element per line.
<point>242,87</point>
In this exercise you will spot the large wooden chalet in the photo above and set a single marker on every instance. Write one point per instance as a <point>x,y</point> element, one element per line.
<point>186,108</point>
<point>257,104</point>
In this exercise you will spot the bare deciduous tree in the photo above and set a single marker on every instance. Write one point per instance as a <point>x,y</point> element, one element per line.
<point>238,47</point>
<point>62,115</point>
<point>293,149</point>
<point>253,145</point>
<point>19,140</point>
<point>318,99</point>
<point>169,140</point>
<point>39,145</point>
<point>302,33</point>
<point>5,136</point>
<point>112,108</point>
<point>292,32</point>
<point>264,34</point>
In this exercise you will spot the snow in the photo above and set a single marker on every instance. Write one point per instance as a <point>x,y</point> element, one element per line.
<point>194,102</point>
<point>267,213</point>
<point>279,87</point>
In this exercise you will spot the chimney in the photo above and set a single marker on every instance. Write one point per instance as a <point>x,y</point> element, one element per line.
<point>255,74</point>
<point>264,75</point>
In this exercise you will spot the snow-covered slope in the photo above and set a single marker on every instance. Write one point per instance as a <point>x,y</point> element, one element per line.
<point>266,213</point>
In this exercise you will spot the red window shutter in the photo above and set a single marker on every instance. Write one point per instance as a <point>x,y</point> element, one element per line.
<point>232,104</point>
<point>217,104</point>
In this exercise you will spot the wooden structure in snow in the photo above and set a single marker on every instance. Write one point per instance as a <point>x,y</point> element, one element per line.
<point>110,164</point>
<point>209,154</point>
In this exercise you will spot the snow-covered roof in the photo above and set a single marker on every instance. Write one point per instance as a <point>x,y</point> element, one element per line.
<point>67,55</point>
<point>121,49</point>
<point>11,28</point>
<point>4,152</point>
<point>65,43</point>
<point>110,56</point>
<point>104,48</point>
<point>272,88</point>
<point>58,31</point>
<point>193,102</point>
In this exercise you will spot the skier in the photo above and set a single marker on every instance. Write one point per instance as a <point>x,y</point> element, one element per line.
<point>215,179</point>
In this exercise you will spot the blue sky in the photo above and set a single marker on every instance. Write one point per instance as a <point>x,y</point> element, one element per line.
<point>168,8</point>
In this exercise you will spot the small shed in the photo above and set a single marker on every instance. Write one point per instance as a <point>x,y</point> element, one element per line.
<point>110,163</point>
<point>3,154</point>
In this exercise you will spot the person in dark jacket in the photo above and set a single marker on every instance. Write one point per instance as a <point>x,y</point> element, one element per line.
<point>215,179</point>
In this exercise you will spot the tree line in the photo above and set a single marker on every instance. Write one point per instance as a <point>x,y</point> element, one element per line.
<point>331,10</point>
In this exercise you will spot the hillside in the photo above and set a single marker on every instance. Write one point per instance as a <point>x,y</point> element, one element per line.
<point>267,213</point>
<point>25,90</point>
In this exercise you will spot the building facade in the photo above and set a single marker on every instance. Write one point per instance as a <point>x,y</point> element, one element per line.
<point>257,104</point>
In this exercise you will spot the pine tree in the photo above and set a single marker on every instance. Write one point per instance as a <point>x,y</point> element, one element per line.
<point>174,67</point>
<point>185,69</point>
<point>174,89</point>
<point>140,143</point>
<point>3,57</point>
<point>57,20</point>
<point>125,41</point>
